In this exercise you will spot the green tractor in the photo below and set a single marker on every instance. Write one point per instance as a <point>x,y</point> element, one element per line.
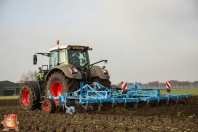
<point>68,66</point>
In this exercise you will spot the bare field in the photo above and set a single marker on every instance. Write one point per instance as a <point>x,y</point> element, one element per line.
<point>175,118</point>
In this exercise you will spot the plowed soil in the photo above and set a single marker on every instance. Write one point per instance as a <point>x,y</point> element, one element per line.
<point>175,117</point>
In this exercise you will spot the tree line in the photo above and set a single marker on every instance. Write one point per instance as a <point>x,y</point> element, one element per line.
<point>174,84</point>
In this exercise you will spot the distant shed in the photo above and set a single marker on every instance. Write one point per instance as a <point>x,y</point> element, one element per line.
<point>8,88</point>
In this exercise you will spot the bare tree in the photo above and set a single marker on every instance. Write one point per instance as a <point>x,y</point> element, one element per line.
<point>188,84</point>
<point>29,76</point>
<point>174,83</point>
<point>163,85</point>
<point>139,83</point>
<point>195,83</point>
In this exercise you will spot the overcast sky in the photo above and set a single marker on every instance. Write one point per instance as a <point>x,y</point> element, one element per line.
<point>143,40</point>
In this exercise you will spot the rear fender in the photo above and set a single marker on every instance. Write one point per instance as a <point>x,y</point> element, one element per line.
<point>66,71</point>
<point>97,71</point>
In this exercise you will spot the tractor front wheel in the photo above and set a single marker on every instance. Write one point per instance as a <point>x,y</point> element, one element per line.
<point>27,98</point>
<point>48,106</point>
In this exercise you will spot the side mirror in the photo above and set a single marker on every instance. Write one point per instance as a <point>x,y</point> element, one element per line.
<point>34,59</point>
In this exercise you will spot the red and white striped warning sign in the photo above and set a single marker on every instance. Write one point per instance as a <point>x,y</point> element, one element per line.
<point>168,85</point>
<point>73,70</point>
<point>123,85</point>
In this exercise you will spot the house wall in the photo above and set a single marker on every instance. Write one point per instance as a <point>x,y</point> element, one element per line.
<point>1,90</point>
<point>9,88</point>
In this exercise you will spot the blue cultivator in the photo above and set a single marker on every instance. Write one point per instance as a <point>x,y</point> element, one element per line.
<point>98,94</point>
<point>152,94</point>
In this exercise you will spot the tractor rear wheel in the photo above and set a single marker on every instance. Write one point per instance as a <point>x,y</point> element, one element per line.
<point>48,106</point>
<point>104,82</point>
<point>27,98</point>
<point>58,84</point>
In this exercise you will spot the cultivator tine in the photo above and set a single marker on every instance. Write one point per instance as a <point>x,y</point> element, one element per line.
<point>158,103</point>
<point>87,106</point>
<point>113,105</point>
<point>147,103</point>
<point>167,102</point>
<point>185,100</point>
<point>136,105</point>
<point>99,107</point>
<point>177,101</point>
<point>70,109</point>
<point>125,105</point>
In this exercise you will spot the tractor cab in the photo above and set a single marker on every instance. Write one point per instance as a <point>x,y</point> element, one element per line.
<point>69,55</point>
<point>66,55</point>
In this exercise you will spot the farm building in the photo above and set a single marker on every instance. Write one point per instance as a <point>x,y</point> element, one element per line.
<point>8,88</point>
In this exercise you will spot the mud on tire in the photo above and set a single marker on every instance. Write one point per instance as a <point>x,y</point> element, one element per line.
<point>58,84</point>
<point>27,98</point>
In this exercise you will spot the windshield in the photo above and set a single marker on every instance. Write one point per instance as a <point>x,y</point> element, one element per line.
<point>78,57</point>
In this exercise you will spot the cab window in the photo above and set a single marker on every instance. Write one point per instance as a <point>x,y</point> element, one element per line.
<point>78,57</point>
<point>62,56</point>
<point>53,59</point>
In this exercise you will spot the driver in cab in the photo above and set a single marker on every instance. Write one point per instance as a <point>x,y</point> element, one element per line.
<point>76,59</point>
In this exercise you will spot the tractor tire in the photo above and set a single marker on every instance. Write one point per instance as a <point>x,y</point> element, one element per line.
<point>48,106</point>
<point>27,98</point>
<point>104,82</point>
<point>58,84</point>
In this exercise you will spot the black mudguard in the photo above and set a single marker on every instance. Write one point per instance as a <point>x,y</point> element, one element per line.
<point>65,70</point>
<point>37,87</point>
<point>97,71</point>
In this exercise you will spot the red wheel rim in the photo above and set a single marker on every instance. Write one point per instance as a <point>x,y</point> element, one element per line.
<point>46,106</point>
<point>26,97</point>
<point>56,90</point>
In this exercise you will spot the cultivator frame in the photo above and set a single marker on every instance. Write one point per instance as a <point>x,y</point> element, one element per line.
<point>98,94</point>
<point>153,94</point>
